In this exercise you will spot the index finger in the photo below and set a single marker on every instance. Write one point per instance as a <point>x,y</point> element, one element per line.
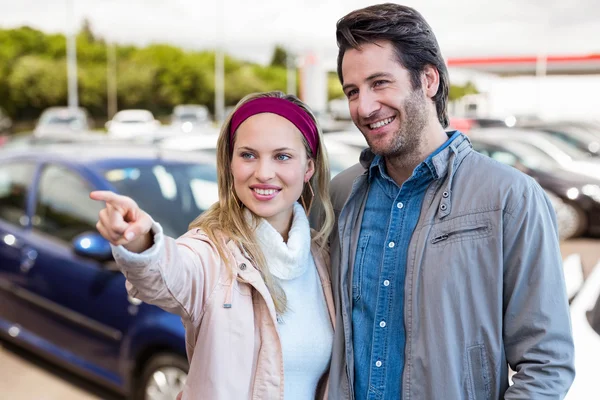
<point>108,197</point>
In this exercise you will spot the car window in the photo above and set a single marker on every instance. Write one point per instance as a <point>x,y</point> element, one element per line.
<point>504,157</point>
<point>15,181</point>
<point>63,207</point>
<point>173,194</point>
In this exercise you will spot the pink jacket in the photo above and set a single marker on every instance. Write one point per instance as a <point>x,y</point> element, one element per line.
<point>231,336</point>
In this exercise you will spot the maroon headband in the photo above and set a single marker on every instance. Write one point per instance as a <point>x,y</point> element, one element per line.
<point>285,108</point>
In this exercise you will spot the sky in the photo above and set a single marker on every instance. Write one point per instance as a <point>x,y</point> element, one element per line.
<point>250,29</point>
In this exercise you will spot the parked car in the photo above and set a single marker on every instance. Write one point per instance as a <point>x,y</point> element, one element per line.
<point>585,324</point>
<point>568,157</point>
<point>190,117</point>
<point>62,121</point>
<point>571,136</point>
<point>127,124</point>
<point>341,156</point>
<point>579,210</point>
<point>352,137</point>
<point>60,292</point>
<point>206,142</point>
<point>25,141</point>
<point>466,124</point>
<point>5,122</point>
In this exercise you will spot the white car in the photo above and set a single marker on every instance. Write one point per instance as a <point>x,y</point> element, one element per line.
<point>189,118</point>
<point>206,142</point>
<point>128,124</point>
<point>567,157</point>
<point>352,137</point>
<point>585,320</point>
<point>341,156</point>
<point>56,121</point>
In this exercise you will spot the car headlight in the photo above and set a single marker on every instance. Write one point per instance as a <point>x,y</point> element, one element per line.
<point>573,193</point>
<point>592,191</point>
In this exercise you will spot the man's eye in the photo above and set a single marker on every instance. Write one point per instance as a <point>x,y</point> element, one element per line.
<point>380,82</point>
<point>351,93</point>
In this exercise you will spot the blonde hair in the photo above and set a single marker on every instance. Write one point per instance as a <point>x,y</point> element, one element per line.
<point>225,219</point>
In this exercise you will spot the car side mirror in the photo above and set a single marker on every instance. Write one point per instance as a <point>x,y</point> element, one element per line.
<point>92,245</point>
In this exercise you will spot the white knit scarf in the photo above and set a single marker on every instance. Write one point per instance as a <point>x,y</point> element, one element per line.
<point>285,260</point>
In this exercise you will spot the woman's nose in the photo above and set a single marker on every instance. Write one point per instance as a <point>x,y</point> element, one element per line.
<point>264,170</point>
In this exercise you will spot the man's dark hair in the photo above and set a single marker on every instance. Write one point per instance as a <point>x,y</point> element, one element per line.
<point>412,38</point>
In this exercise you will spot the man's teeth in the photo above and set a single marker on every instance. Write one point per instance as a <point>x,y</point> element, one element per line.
<point>265,192</point>
<point>381,123</point>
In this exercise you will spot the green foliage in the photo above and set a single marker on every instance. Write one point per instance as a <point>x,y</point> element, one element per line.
<point>36,83</point>
<point>456,91</point>
<point>334,87</point>
<point>33,74</point>
<point>279,58</point>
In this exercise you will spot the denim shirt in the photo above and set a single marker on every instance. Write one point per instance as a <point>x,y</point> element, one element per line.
<point>390,216</point>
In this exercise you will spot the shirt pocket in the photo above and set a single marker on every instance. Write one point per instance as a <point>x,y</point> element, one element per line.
<point>358,270</point>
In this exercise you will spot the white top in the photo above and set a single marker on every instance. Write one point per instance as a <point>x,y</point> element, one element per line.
<point>305,328</point>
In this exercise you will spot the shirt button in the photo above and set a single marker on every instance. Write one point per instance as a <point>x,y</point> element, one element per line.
<point>386,283</point>
<point>400,205</point>
<point>243,266</point>
<point>382,324</point>
<point>378,364</point>
<point>391,245</point>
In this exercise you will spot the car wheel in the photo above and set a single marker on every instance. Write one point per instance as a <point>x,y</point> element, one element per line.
<point>580,221</point>
<point>162,378</point>
<point>572,221</point>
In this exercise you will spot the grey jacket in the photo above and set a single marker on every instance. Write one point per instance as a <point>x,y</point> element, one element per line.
<point>484,284</point>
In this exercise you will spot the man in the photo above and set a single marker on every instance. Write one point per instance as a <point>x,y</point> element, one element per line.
<point>446,266</point>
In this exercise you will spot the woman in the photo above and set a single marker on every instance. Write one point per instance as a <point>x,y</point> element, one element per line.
<point>249,278</point>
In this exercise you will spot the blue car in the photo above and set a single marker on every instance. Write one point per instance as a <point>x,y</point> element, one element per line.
<point>61,294</point>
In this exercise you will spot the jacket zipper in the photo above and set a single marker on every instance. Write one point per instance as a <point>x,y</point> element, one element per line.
<point>445,236</point>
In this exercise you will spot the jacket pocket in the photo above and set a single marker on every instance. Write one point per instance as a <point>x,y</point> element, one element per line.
<point>357,271</point>
<point>463,231</point>
<point>479,373</point>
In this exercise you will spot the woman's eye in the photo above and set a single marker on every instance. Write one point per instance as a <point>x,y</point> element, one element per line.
<point>247,156</point>
<point>282,157</point>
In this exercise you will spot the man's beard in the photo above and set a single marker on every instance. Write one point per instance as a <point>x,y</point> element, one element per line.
<point>407,140</point>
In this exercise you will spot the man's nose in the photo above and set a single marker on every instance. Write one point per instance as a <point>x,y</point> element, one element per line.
<point>367,104</point>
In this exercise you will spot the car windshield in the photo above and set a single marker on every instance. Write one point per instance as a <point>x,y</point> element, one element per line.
<point>173,194</point>
<point>189,116</point>
<point>129,118</point>
<point>56,119</point>
<point>532,157</point>
<point>566,147</point>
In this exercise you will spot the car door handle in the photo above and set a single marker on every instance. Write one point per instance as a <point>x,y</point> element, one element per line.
<point>28,259</point>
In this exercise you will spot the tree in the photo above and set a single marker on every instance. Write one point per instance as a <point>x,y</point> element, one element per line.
<point>334,87</point>
<point>279,58</point>
<point>36,83</point>
<point>456,91</point>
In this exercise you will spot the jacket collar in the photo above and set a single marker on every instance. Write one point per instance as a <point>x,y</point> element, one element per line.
<point>440,162</point>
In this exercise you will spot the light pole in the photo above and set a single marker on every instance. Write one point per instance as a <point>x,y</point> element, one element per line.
<point>71,57</point>
<point>290,61</point>
<point>111,79</point>
<point>220,65</point>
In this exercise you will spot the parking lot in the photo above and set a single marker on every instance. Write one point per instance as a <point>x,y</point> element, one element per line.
<point>24,376</point>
